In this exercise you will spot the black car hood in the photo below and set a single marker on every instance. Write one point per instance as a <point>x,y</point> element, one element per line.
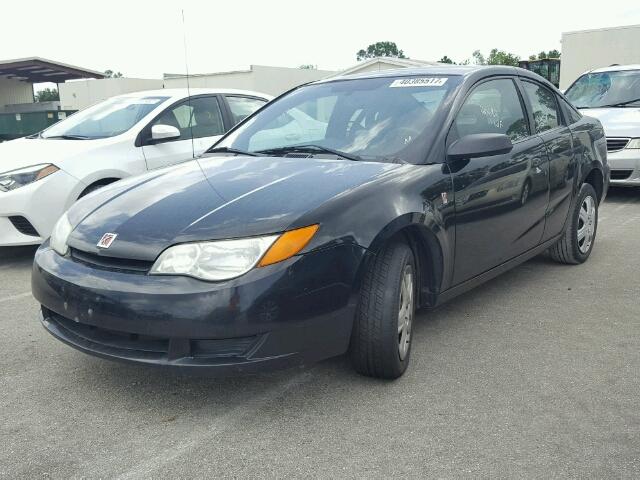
<point>209,199</point>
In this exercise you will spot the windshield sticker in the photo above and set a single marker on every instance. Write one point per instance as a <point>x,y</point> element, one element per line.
<point>419,82</point>
<point>147,101</point>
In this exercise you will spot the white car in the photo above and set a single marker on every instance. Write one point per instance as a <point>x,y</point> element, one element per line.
<point>41,176</point>
<point>612,95</point>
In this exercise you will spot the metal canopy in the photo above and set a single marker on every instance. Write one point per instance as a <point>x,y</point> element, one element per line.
<point>40,70</point>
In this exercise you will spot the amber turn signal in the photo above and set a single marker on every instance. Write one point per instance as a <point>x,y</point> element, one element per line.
<point>46,171</point>
<point>288,244</point>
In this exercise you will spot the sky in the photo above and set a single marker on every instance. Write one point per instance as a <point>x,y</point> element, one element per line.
<point>145,38</point>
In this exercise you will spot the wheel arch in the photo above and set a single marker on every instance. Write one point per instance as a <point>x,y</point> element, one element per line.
<point>98,183</point>
<point>595,177</point>
<point>426,248</point>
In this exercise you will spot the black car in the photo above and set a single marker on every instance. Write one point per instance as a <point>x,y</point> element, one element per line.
<point>322,222</point>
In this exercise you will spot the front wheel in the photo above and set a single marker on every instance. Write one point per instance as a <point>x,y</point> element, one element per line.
<point>382,333</point>
<point>576,244</point>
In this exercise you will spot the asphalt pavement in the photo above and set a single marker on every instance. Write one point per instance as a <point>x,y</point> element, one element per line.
<point>535,374</point>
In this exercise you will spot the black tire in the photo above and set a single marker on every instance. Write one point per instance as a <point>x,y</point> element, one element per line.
<point>375,342</point>
<point>568,249</point>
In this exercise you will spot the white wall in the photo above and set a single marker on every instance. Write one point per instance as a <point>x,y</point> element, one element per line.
<point>270,80</point>
<point>79,94</point>
<point>589,49</point>
<point>14,91</point>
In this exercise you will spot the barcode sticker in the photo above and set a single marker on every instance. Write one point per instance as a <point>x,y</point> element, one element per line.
<point>419,82</point>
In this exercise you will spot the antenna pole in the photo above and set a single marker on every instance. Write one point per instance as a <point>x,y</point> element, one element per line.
<point>186,65</point>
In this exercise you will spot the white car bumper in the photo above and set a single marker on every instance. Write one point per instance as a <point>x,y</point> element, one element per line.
<point>40,204</point>
<point>625,167</point>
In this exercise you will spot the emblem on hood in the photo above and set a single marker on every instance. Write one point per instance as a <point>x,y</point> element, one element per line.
<point>106,240</point>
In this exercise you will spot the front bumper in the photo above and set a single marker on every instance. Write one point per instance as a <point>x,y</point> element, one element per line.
<point>296,312</point>
<point>40,203</point>
<point>625,167</point>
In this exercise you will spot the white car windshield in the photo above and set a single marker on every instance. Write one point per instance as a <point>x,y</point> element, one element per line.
<point>606,89</point>
<point>377,119</point>
<point>107,119</point>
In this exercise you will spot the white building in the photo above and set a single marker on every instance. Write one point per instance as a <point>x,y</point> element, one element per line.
<point>385,63</point>
<point>259,78</point>
<point>588,49</point>
<point>83,93</point>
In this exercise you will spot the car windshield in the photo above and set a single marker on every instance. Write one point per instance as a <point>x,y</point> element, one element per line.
<point>378,119</point>
<point>605,89</point>
<point>107,119</point>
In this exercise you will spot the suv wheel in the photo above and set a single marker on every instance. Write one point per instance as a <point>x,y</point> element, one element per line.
<point>382,333</point>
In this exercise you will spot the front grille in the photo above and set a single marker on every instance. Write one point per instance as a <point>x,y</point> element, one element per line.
<point>135,345</point>
<point>620,174</point>
<point>616,144</point>
<point>24,226</point>
<point>111,263</point>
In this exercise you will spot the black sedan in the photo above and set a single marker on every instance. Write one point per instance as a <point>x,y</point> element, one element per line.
<point>322,222</point>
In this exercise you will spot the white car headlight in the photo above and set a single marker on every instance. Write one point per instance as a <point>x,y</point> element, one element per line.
<point>213,261</point>
<point>60,235</point>
<point>634,143</point>
<point>24,176</point>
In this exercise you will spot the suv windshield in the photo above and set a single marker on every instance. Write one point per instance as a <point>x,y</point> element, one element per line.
<point>606,89</point>
<point>107,119</point>
<point>378,119</point>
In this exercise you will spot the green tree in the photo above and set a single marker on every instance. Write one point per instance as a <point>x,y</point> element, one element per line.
<point>446,59</point>
<point>380,49</point>
<point>478,58</point>
<point>112,74</point>
<point>47,95</point>
<point>496,57</point>
<point>542,55</point>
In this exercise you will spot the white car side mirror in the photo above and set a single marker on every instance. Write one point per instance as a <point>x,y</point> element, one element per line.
<point>162,133</point>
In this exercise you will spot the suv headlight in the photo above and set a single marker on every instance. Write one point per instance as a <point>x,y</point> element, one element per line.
<point>24,176</point>
<point>634,143</point>
<point>60,235</point>
<point>227,259</point>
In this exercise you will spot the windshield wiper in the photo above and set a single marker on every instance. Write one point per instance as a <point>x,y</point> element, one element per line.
<point>310,148</point>
<point>68,137</point>
<point>231,150</point>
<point>620,104</point>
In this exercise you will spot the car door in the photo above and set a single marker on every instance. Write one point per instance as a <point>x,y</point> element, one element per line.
<point>200,122</point>
<point>500,200</point>
<point>241,106</point>
<point>549,125</point>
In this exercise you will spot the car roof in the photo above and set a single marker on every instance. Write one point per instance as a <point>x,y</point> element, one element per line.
<point>455,70</point>
<point>178,93</point>
<point>616,68</point>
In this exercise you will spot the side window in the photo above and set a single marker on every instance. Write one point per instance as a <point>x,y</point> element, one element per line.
<point>492,107</point>
<point>242,107</point>
<point>570,113</point>
<point>543,103</point>
<point>201,114</point>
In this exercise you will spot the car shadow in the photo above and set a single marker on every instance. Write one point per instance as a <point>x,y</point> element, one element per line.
<point>619,195</point>
<point>17,256</point>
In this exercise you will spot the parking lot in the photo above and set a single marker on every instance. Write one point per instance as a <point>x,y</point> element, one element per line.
<point>536,373</point>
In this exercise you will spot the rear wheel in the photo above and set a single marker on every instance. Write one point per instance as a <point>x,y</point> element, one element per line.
<point>382,334</point>
<point>577,242</point>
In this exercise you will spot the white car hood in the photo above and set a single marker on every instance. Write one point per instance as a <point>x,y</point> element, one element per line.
<point>25,152</point>
<point>617,122</point>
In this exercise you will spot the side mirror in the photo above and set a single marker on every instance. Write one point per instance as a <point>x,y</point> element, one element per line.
<point>163,133</point>
<point>480,145</point>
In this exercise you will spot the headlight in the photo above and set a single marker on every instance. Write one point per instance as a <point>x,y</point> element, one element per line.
<point>60,235</point>
<point>634,143</point>
<point>227,259</point>
<point>24,176</point>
